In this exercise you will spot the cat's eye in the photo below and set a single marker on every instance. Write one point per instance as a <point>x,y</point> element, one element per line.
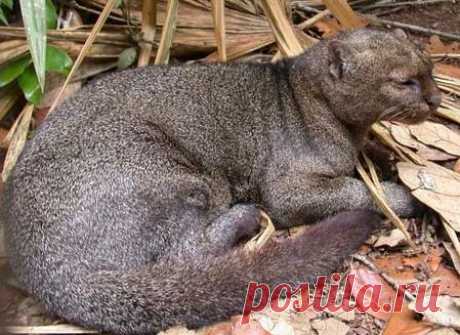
<point>410,83</point>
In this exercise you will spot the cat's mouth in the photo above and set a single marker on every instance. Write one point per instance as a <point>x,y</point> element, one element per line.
<point>406,115</point>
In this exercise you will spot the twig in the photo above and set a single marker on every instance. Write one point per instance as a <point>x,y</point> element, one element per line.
<point>258,241</point>
<point>378,22</point>
<point>218,15</point>
<point>89,42</point>
<point>388,11</point>
<point>380,199</point>
<point>96,12</point>
<point>54,329</point>
<point>344,14</point>
<point>403,3</point>
<point>69,34</point>
<point>285,36</point>
<point>167,34</point>
<point>149,18</point>
<point>311,21</point>
<point>18,140</point>
<point>307,9</point>
<point>441,56</point>
<point>366,261</point>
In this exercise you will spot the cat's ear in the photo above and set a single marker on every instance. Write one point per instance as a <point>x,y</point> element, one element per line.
<point>340,58</point>
<point>398,32</point>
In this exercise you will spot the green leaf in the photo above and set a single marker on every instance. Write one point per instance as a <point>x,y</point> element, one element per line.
<point>12,70</point>
<point>3,17</point>
<point>34,18</point>
<point>8,3</point>
<point>51,15</point>
<point>57,60</point>
<point>28,82</point>
<point>127,58</point>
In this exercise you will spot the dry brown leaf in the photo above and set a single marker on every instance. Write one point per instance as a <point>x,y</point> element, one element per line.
<point>311,21</point>
<point>193,36</point>
<point>448,279</point>
<point>287,322</point>
<point>54,83</point>
<point>18,141</point>
<point>343,315</point>
<point>148,30</point>
<point>443,331</point>
<point>88,43</point>
<point>3,134</point>
<point>12,53</point>
<point>435,186</point>
<point>401,323</point>
<point>250,328</point>
<point>328,27</point>
<point>456,167</point>
<point>436,46</point>
<point>405,154</point>
<point>448,83</point>
<point>376,191</point>
<point>406,323</point>
<point>281,27</point>
<point>395,238</point>
<point>8,97</point>
<point>330,326</point>
<point>402,134</point>
<point>268,229</point>
<point>221,328</point>
<point>447,316</point>
<point>167,34</point>
<point>96,51</point>
<point>447,70</point>
<point>243,47</point>
<point>177,331</point>
<point>363,276</point>
<point>343,12</point>
<point>454,255</point>
<point>218,13</point>
<point>53,329</point>
<point>438,136</point>
<point>404,270</point>
<point>278,326</point>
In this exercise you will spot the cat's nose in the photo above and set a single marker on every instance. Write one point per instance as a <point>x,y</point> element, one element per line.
<point>434,100</point>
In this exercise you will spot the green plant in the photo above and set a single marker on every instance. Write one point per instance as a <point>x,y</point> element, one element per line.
<point>8,4</point>
<point>23,69</point>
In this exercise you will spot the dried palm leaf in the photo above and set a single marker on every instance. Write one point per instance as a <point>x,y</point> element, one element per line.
<point>149,19</point>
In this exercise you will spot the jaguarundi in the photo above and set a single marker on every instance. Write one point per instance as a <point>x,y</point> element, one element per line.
<point>125,210</point>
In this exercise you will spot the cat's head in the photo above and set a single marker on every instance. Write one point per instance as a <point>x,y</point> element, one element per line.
<point>374,75</point>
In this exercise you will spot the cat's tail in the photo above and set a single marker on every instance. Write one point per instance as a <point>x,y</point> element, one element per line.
<point>201,291</point>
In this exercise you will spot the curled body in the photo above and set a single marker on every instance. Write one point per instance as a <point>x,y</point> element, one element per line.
<point>125,211</point>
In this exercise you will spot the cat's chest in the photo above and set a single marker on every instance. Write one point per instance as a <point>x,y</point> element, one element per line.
<point>336,153</point>
<point>317,156</point>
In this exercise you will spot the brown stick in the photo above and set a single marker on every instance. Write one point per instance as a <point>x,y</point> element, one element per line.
<point>379,22</point>
<point>169,27</point>
<point>149,21</point>
<point>218,8</point>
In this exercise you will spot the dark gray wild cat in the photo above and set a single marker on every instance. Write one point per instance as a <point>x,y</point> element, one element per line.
<point>124,211</point>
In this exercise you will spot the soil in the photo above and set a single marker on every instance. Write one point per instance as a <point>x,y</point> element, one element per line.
<point>443,17</point>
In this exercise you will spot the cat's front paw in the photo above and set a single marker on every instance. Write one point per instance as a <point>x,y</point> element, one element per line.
<point>402,201</point>
<point>240,223</point>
